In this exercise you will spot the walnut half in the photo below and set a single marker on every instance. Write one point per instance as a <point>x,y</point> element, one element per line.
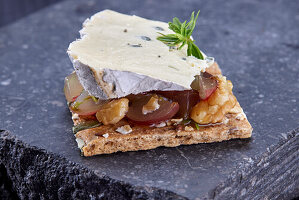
<point>113,112</point>
<point>217,105</point>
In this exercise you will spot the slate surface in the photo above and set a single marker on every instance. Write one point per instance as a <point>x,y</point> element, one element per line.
<point>15,9</point>
<point>255,43</point>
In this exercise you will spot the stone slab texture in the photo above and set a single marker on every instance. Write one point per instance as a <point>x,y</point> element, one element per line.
<point>256,44</point>
<point>13,10</point>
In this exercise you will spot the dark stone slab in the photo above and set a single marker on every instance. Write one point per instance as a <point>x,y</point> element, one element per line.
<point>256,44</point>
<point>37,174</point>
<point>6,186</point>
<point>15,9</point>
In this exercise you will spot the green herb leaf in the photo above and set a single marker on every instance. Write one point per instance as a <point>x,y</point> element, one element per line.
<point>76,105</point>
<point>196,126</point>
<point>183,44</point>
<point>94,99</point>
<point>177,23</point>
<point>186,121</point>
<point>196,52</point>
<point>85,125</point>
<point>189,50</point>
<point>183,28</point>
<point>182,36</point>
<point>171,39</point>
<point>174,27</point>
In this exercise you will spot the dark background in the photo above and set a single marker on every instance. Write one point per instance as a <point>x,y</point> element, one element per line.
<point>12,10</point>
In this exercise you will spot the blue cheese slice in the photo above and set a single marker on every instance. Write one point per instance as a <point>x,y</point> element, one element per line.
<point>119,55</point>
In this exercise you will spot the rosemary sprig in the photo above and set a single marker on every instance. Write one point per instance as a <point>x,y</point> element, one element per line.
<point>182,35</point>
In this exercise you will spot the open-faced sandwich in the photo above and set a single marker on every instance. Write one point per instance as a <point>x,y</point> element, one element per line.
<point>140,84</point>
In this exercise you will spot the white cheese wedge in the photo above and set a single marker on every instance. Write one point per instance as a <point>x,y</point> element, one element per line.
<point>119,55</point>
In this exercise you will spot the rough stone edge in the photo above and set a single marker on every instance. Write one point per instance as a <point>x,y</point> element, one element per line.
<point>272,175</point>
<point>38,174</point>
<point>6,190</point>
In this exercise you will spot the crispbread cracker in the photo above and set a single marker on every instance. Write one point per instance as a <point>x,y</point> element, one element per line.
<point>144,137</point>
<point>93,142</point>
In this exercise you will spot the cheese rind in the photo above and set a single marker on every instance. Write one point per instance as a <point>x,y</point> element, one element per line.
<point>124,57</point>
